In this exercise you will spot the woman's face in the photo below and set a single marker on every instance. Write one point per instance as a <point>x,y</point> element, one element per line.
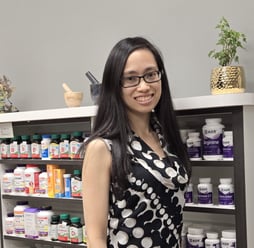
<point>143,98</point>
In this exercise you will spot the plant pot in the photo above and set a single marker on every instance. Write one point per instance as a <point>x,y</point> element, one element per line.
<point>227,79</point>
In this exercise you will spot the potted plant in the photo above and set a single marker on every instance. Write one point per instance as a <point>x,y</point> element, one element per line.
<point>227,78</point>
<point>5,93</point>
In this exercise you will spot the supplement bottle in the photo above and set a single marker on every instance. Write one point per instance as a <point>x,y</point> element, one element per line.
<point>8,181</point>
<point>55,218</point>
<point>188,195</point>
<point>212,139</point>
<point>54,149</point>
<point>31,175</point>
<point>227,142</point>
<point>226,191</point>
<point>36,146</point>
<point>64,146</point>
<point>43,183</point>
<point>212,240</point>
<point>9,223</point>
<point>15,147</point>
<point>43,221</point>
<point>67,185</point>
<point>205,191</point>
<point>194,146</point>
<point>195,238</point>
<point>19,179</point>
<point>64,228</point>
<point>76,184</point>
<point>25,147</point>
<point>76,231</point>
<point>19,227</point>
<point>228,239</point>
<point>30,223</point>
<point>75,144</point>
<point>85,236</point>
<point>46,139</point>
<point>5,148</point>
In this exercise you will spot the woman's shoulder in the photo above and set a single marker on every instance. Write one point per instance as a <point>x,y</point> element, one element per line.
<point>99,144</point>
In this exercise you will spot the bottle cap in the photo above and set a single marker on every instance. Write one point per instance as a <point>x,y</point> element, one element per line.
<point>66,175</point>
<point>225,180</point>
<point>205,180</point>
<point>228,234</point>
<point>75,219</point>
<point>195,231</point>
<point>212,235</point>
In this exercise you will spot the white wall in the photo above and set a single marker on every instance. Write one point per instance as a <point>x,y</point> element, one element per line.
<point>44,43</point>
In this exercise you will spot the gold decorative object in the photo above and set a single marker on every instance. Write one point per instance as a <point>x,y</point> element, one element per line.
<point>227,79</point>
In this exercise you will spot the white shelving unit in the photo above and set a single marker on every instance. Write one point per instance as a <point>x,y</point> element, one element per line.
<point>237,112</point>
<point>64,120</point>
<point>236,109</point>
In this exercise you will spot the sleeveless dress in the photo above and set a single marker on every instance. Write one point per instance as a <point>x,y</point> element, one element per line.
<point>149,214</point>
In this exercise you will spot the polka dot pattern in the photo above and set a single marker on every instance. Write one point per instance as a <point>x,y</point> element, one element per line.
<point>149,215</point>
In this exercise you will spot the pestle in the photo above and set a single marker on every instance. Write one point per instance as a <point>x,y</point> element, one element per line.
<point>66,87</point>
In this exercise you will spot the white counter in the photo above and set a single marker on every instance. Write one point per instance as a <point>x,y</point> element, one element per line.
<point>213,101</point>
<point>196,102</point>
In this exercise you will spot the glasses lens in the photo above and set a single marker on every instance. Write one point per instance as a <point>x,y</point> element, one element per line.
<point>153,76</point>
<point>130,81</point>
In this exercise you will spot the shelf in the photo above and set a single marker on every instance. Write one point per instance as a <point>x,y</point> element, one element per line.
<point>190,207</point>
<point>40,161</point>
<point>34,197</point>
<point>207,163</point>
<point>44,242</point>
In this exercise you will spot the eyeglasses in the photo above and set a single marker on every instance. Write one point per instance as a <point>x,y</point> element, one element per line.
<point>133,81</point>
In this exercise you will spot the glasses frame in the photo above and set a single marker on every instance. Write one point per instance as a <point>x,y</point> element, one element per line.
<point>143,77</point>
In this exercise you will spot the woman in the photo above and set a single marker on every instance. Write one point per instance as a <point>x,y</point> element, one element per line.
<point>135,167</point>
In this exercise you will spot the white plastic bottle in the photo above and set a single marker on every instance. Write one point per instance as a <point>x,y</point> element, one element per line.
<point>19,226</point>
<point>9,224</point>
<point>45,142</point>
<point>19,179</point>
<point>43,183</point>
<point>226,191</point>
<point>212,139</point>
<point>228,239</point>
<point>212,240</point>
<point>228,148</point>
<point>194,146</point>
<point>43,220</point>
<point>7,181</point>
<point>205,191</point>
<point>195,238</point>
<point>188,195</point>
<point>31,173</point>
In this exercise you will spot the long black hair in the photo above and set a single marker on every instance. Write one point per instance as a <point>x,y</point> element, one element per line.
<point>111,121</point>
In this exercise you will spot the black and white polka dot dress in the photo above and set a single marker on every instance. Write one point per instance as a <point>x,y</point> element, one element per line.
<point>150,213</point>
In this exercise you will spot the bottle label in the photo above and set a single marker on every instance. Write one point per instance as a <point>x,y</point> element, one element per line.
<point>19,182</point>
<point>195,242</point>
<point>228,244</point>
<point>43,226</point>
<point>76,187</point>
<point>54,150</point>
<point>7,184</point>
<point>54,231</point>
<point>188,197</point>
<point>76,234</point>
<point>14,150</point>
<point>31,182</point>
<point>36,150</point>
<point>63,232</point>
<point>212,245</point>
<point>5,151</point>
<point>64,149</point>
<point>226,195</point>
<point>19,222</point>
<point>74,148</point>
<point>205,194</point>
<point>25,150</point>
